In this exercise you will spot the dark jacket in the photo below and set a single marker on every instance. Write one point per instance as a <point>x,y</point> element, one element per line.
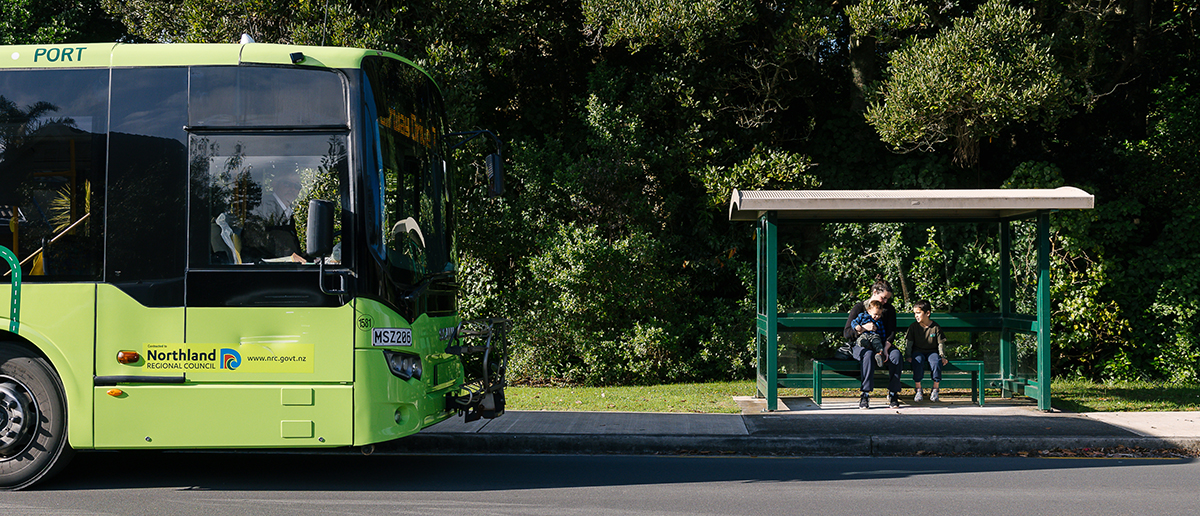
<point>925,340</point>
<point>887,315</point>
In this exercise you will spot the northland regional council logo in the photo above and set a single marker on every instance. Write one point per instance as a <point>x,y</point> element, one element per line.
<point>167,357</point>
<point>278,357</point>
<point>230,359</point>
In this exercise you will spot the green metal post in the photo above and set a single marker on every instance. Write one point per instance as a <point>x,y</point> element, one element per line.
<point>760,323</point>
<point>15,266</point>
<point>1043,311</point>
<point>768,311</point>
<point>1007,345</point>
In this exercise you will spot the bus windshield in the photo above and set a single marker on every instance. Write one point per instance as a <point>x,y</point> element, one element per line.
<point>410,224</point>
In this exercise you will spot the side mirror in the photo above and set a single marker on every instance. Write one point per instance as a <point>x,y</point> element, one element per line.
<point>495,174</point>
<point>494,162</point>
<point>320,228</point>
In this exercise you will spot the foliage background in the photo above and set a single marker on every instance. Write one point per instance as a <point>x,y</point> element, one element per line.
<point>629,122</point>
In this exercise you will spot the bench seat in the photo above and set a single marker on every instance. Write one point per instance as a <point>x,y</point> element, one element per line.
<point>843,374</point>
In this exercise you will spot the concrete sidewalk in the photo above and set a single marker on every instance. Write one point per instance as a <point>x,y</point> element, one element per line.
<point>801,427</point>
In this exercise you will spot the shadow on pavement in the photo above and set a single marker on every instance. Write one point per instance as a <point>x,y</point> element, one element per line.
<point>345,471</point>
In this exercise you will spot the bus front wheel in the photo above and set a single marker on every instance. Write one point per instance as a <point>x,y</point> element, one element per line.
<point>33,419</point>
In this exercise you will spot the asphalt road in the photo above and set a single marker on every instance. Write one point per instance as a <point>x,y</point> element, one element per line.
<point>128,483</point>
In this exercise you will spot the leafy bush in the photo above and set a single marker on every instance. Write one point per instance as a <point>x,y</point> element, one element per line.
<point>608,312</point>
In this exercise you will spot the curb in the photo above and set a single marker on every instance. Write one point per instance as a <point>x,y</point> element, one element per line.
<point>981,445</point>
<point>576,444</point>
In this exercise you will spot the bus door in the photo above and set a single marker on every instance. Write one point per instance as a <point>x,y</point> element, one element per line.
<point>259,329</point>
<point>266,358</point>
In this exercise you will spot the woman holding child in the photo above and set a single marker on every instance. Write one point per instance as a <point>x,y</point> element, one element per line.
<point>872,338</point>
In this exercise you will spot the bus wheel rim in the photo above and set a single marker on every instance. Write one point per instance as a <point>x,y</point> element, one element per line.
<point>18,417</point>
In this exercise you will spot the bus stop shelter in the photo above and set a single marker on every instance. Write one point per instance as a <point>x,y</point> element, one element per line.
<point>771,208</point>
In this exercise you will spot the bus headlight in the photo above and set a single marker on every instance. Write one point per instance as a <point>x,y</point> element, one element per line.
<point>403,365</point>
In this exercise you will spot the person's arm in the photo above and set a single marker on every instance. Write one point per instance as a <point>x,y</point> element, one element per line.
<point>889,323</point>
<point>941,342</point>
<point>850,332</point>
<point>909,342</point>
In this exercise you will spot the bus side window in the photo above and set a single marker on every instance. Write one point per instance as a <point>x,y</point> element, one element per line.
<point>250,195</point>
<point>147,184</point>
<point>52,169</point>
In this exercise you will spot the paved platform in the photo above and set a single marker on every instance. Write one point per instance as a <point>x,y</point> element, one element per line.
<point>1152,424</point>
<point>800,427</point>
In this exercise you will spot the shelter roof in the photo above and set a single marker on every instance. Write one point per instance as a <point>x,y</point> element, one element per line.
<point>905,205</point>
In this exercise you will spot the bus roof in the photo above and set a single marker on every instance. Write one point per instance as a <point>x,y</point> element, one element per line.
<point>103,55</point>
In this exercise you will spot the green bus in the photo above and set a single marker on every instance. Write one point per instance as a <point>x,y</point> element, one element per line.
<point>228,246</point>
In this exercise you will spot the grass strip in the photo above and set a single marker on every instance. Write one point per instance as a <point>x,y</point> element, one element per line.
<point>714,398</point>
<point>1076,395</point>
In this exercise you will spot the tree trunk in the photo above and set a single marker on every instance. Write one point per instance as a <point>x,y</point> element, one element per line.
<point>863,67</point>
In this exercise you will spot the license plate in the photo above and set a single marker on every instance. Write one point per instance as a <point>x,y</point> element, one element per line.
<point>391,337</point>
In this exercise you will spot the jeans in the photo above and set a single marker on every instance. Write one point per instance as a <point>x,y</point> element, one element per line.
<point>935,366</point>
<point>871,341</point>
<point>866,357</point>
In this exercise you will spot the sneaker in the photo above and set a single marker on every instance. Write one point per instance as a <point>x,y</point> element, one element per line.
<point>894,399</point>
<point>933,395</point>
<point>879,360</point>
<point>918,396</point>
<point>864,401</point>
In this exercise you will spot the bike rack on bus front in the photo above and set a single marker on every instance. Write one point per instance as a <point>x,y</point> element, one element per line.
<point>485,396</point>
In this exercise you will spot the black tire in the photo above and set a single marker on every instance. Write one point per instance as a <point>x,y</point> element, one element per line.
<point>33,419</point>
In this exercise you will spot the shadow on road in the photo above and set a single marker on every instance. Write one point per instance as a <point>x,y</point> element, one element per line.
<point>345,471</point>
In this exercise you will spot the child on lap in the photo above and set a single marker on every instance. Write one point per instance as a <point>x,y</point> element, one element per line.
<point>873,338</point>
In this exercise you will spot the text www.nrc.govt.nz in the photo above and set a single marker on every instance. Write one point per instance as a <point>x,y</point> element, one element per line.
<point>253,358</point>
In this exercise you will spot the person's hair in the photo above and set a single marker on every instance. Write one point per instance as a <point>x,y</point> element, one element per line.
<point>923,305</point>
<point>875,304</point>
<point>881,286</point>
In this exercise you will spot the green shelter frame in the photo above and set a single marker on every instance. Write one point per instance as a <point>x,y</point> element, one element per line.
<point>771,208</point>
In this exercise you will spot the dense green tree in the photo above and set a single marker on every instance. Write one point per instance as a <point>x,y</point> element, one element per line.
<point>24,22</point>
<point>628,123</point>
<point>970,81</point>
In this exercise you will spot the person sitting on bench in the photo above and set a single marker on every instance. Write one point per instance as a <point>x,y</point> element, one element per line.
<point>925,343</point>
<point>881,291</point>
